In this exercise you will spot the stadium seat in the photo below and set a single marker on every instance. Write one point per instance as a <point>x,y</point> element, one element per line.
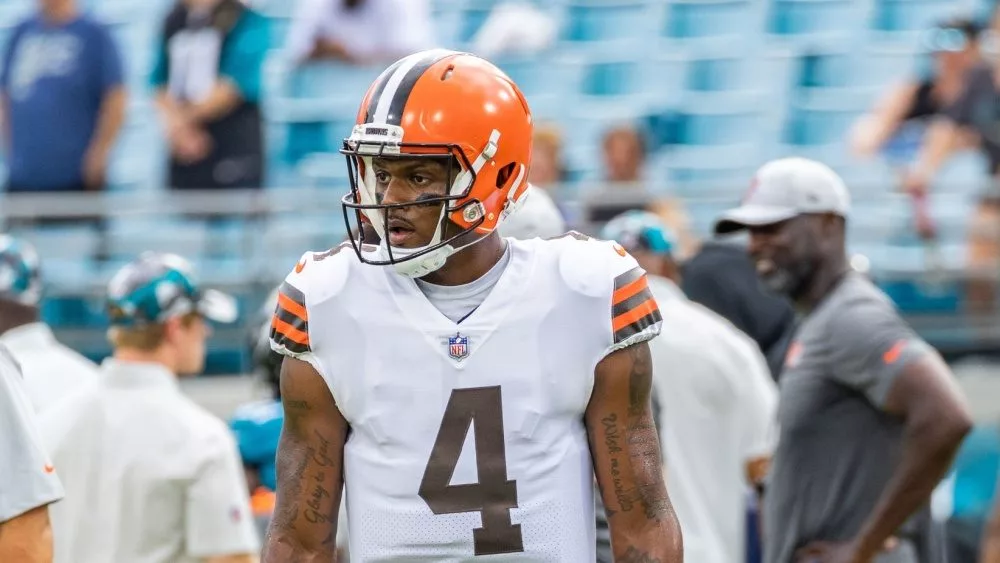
<point>813,17</point>
<point>129,237</point>
<point>712,20</point>
<point>609,21</point>
<point>909,15</point>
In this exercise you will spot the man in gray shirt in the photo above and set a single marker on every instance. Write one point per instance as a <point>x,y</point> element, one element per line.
<point>28,482</point>
<point>870,415</point>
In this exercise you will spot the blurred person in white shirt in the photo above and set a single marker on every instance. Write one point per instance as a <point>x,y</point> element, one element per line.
<point>28,480</point>
<point>716,397</point>
<point>51,370</point>
<point>359,31</point>
<point>150,476</point>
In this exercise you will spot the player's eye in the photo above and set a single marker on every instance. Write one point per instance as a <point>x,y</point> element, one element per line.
<point>419,179</point>
<point>381,176</point>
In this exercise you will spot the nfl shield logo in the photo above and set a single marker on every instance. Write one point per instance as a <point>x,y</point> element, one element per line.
<point>458,346</point>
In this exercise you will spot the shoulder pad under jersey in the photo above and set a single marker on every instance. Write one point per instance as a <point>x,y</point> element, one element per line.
<point>599,268</point>
<point>316,277</point>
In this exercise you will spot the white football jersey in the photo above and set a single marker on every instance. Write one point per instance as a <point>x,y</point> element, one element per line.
<point>467,439</point>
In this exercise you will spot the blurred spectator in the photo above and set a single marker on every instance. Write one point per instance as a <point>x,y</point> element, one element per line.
<point>866,405</point>
<point>991,536</point>
<point>962,501</point>
<point>722,277</point>
<point>208,80</point>
<point>713,387</point>
<point>898,121</point>
<point>359,31</point>
<point>150,476</point>
<point>28,481</point>
<point>624,154</point>
<point>548,169</point>
<point>515,27</point>
<point>51,371</point>
<point>975,113</point>
<point>63,100</point>
<point>622,176</point>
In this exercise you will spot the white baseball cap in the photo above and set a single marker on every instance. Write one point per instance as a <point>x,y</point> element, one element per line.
<point>786,188</point>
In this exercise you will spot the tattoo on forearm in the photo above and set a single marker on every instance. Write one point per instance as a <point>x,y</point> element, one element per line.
<point>305,465</point>
<point>633,555</point>
<point>634,447</point>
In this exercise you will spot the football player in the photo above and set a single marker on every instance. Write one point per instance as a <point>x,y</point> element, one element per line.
<point>464,388</point>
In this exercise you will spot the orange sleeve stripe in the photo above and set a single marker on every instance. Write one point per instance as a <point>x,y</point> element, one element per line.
<point>289,331</point>
<point>292,307</point>
<point>629,290</point>
<point>647,307</point>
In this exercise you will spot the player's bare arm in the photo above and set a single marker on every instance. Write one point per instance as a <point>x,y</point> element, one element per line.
<point>936,418</point>
<point>310,470</point>
<point>627,460</point>
<point>27,537</point>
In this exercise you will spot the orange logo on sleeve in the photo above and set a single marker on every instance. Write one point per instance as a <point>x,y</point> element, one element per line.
<point>300,265</point>
<point>49,468</point>
<point>892,354</point>
<point>620,250</point>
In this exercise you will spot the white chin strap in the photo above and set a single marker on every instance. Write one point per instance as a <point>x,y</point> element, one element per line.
<point>423,265</point>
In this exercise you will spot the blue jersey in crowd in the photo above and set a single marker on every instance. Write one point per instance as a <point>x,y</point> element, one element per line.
<point>257,427</point>
<point>54,78</point>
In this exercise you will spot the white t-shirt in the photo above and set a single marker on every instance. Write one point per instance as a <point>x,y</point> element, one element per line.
<point>718,407</point>
<point>51,371</point>
<point>27,476</point>
<point>150,476</point>
<point>389,29</point>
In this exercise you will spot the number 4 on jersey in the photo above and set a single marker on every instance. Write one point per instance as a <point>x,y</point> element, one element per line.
<point>493,495</point>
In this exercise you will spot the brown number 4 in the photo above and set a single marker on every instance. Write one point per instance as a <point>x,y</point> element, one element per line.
<point>493,495</point>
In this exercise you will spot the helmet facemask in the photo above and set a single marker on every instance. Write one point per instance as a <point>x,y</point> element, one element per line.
<point>370,141</point>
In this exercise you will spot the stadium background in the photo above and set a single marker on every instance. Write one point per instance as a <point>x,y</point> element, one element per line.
<point>717,86</point>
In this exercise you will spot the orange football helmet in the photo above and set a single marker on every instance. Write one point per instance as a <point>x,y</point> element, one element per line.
<point>440,103</point>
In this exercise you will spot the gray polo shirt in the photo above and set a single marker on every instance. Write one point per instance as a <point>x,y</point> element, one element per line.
<point>27,478</point>
<point>837,447</point>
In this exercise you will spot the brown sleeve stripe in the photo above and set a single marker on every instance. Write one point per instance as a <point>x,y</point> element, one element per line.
<point>290,325</point>
<point>636,320</point>
<point>631,302</point>
<point>288,336</point>
<point>628,278</point>
<point>293,294</point>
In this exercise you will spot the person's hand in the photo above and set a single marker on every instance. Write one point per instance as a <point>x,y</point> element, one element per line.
<point>922,219</point>
<point>95,167</point>
<point>915,183</point>
<point>190,144</point>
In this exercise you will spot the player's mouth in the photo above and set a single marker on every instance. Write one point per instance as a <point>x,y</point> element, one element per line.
<point>400,232</point>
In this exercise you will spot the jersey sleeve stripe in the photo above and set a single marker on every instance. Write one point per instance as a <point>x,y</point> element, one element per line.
<point>639,325</point>
<point>293,294</point>
<point>631,303</point>
<point>628,277</point>
<point>288,336</point>
<point>294,309</point>
<point>627,292</point>
<point>637,313</point>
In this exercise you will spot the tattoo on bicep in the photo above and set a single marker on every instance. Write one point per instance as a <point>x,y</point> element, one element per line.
<point>633,555</point>
<point>640,379</point>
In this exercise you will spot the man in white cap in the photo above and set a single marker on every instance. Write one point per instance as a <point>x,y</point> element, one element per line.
<point>51,370</point>
<point>150,476</point>
<point>870,416</point>
<point>28,481</point>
